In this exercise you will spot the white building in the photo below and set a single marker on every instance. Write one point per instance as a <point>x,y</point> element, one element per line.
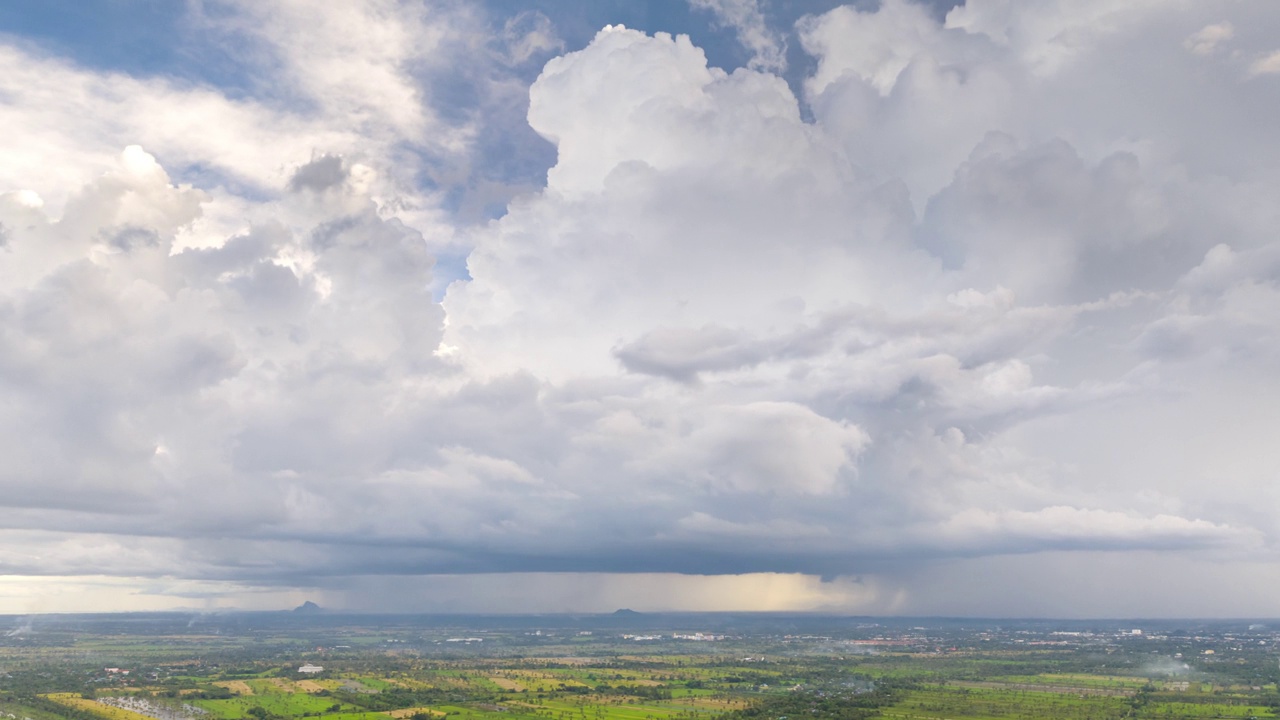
<point>310,669</point>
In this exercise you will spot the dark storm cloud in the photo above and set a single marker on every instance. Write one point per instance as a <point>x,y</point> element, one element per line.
<point>318,175</point>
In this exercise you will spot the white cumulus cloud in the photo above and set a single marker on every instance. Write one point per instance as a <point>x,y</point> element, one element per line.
<point>995,284</point>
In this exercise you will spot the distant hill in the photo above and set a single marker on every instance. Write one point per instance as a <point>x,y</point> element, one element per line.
<point>626,612</point>
<point>308,607</point>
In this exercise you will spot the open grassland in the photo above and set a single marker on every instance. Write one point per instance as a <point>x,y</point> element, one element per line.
<point>950,702</point>
<point>1205,711</point>
<point>23,711</point>
<point>1079,680</point>
<point>537,681</point>
<point>277,685</point>
<point>940,702</point>
<point>596,707</point>
<point>375,683</point>
<point>407,683</point>
<point>356,716</point>
<point>1082,690</point>
<point>107,712</point>
<point>283,705</point>
<point>507,684</point>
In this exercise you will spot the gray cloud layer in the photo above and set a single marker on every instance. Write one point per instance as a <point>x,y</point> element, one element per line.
<point>1012,290</point>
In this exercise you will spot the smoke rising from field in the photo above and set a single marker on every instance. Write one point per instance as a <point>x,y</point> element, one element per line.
<point>1164,667</point>
<point>24,627</point>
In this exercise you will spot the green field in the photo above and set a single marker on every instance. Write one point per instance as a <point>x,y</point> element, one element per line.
<point>285,705</point>
<point>399,673</point>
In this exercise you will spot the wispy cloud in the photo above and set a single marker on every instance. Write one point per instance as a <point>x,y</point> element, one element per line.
<point>767,46</point>
<point>1268,64</point>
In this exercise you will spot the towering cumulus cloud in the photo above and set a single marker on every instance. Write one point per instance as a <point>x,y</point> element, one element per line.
<point>994,297</point>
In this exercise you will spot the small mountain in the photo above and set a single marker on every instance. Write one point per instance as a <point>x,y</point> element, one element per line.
<point>626,612</point>
<point>308,607</point>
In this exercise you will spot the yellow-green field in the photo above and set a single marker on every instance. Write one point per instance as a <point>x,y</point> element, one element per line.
<point>107,712</point>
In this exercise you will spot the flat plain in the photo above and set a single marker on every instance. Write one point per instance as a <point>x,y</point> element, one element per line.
<point>247,667</point>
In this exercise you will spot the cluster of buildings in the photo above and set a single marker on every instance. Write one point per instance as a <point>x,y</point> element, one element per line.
<point>697,637</point>
<point>700,637</point>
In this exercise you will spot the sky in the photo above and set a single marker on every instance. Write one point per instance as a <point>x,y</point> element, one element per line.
<point>890,308</point>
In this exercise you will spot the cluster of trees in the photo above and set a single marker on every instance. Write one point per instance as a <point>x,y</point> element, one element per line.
<point>59,710</point>
<point>209,692</point>
<point>637,691</point>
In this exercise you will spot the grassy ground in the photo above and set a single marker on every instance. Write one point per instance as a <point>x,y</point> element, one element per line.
<point>939,702</point>
<point>285,705</point>
<point>106,712</point>
<point>22,711</point>
<point>465,685</point>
